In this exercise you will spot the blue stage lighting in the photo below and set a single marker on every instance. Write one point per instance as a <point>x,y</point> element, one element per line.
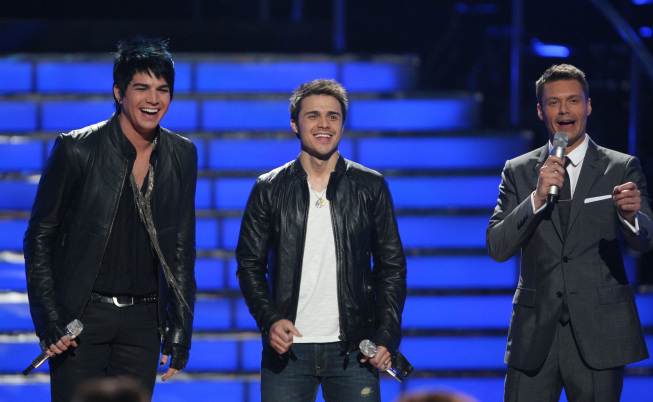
<point>546,50</point>
<point>645,32</point>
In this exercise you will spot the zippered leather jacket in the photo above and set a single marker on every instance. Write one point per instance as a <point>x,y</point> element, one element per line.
<point>72,218</point>
<point>271,245</point>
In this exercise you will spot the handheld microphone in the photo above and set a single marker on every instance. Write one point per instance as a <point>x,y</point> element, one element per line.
<point>73,329</point>
<point>560,141</point>
<point>368,348</point>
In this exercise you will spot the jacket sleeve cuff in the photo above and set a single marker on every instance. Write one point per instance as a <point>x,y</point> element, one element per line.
<point>51,333</point>
<point>179,355</point>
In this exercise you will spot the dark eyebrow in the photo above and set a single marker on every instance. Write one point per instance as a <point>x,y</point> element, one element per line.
<point>140,84</point>
<point>331,112</point>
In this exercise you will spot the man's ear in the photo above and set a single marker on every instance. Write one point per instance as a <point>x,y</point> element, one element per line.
<point>295,127</point>
<point>540,114</point>
<point>116,93</point>
<point>589,106</point>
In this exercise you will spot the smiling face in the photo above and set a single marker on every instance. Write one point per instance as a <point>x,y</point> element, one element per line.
<point>319,126</point>
<point>144,104</point>
<point>565,108</point>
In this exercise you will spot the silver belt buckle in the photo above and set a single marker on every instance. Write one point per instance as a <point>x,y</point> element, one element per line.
<point>117,303</point>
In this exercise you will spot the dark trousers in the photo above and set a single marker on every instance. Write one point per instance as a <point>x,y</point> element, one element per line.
<point>565,368</point>
<point>296,376</point>
<point>116,341</point>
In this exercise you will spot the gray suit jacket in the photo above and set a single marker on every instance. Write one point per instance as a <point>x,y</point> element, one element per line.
<point>588,266</point>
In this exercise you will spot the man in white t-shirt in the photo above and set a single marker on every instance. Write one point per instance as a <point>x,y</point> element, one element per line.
<point>320,262</point>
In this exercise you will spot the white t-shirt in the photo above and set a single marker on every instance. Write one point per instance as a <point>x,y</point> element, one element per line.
<point>317,310</point>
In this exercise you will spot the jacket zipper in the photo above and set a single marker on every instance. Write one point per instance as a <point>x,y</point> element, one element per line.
<point>336,242</point>
<point>106,243</point>
<point>158,268</point>
<point>298,275</point>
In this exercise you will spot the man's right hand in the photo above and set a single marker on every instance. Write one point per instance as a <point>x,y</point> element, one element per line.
<point>552,173</point>
<point>61,346</point>
<point>281,335</point>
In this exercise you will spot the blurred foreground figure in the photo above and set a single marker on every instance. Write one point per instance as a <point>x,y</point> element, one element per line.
<point>117,389</point>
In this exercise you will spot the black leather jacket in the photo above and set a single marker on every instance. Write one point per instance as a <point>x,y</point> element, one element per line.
<point>271,244</point>
<point>73,214</point>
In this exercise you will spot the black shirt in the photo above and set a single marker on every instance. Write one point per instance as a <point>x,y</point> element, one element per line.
<point>129,265</point>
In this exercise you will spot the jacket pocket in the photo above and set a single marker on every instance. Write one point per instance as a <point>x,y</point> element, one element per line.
<point>615,294</point>
<point>524,297</point>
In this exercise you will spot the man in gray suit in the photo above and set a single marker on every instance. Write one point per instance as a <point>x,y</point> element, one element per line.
<point>574,321</point>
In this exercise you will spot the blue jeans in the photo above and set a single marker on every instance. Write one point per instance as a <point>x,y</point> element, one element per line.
<point>297,375</point>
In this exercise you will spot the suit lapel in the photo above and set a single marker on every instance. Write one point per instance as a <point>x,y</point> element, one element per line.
<point>588,175</point>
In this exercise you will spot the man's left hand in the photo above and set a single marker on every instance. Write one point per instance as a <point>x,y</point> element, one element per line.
<point>628,201</point>
<point>171,372</point>
<point>382,360</point>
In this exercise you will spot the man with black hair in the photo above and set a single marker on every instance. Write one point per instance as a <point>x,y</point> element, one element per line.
<point>111,239</point>
<point>309,235</point>
<point>574,322</point>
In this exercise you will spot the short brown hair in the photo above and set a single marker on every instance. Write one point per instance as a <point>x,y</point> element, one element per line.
<point>318,87</point>
<point>561,72</point>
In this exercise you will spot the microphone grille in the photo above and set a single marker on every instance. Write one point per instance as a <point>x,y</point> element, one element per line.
<point>368,348</point>
<point>74,328</point>
<point>560,140</point>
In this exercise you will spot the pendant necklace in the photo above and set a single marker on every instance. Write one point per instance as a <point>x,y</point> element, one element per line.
<point>320,198</point>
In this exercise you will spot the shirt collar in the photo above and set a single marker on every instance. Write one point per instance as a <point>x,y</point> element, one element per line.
<point>577,155</point>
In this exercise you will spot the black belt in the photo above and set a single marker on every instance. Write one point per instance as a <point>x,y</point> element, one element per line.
<point>122,301</point>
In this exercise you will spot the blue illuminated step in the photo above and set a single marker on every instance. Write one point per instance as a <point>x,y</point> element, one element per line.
<point>417,231</point>
<point>12,232</point>
<point>12,276</point>
<point>406,153</point>
<point>263,153</point>
<point>451,152</point>
<point>18,154</point>
<point>284,76</point>
<point>92,77</point>
<point>231,193</point>
<point>17,194</point>
<point>18,116</point>
<point>460,272</point>
<point>447,231</point>
<point>254,74</point>
<point>15,76</point>
<point>424,272</point>
<point>459,312</point>
<point>64,116</point>
<point>211,275</point>
<point>212,354</point>
<point>443,152</point>
<point>427,114</point>
<point>424,231</point>
<point>74,77</point>
<point>439,192</point>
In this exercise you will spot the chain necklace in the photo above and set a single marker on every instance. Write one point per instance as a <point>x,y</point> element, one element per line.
<point>320,198</point>
<point>145,213</point>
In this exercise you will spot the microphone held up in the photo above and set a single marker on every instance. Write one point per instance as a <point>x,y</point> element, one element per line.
<point>559,143</point>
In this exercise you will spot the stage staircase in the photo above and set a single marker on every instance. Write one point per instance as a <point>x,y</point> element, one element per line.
<point>442,166</point>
